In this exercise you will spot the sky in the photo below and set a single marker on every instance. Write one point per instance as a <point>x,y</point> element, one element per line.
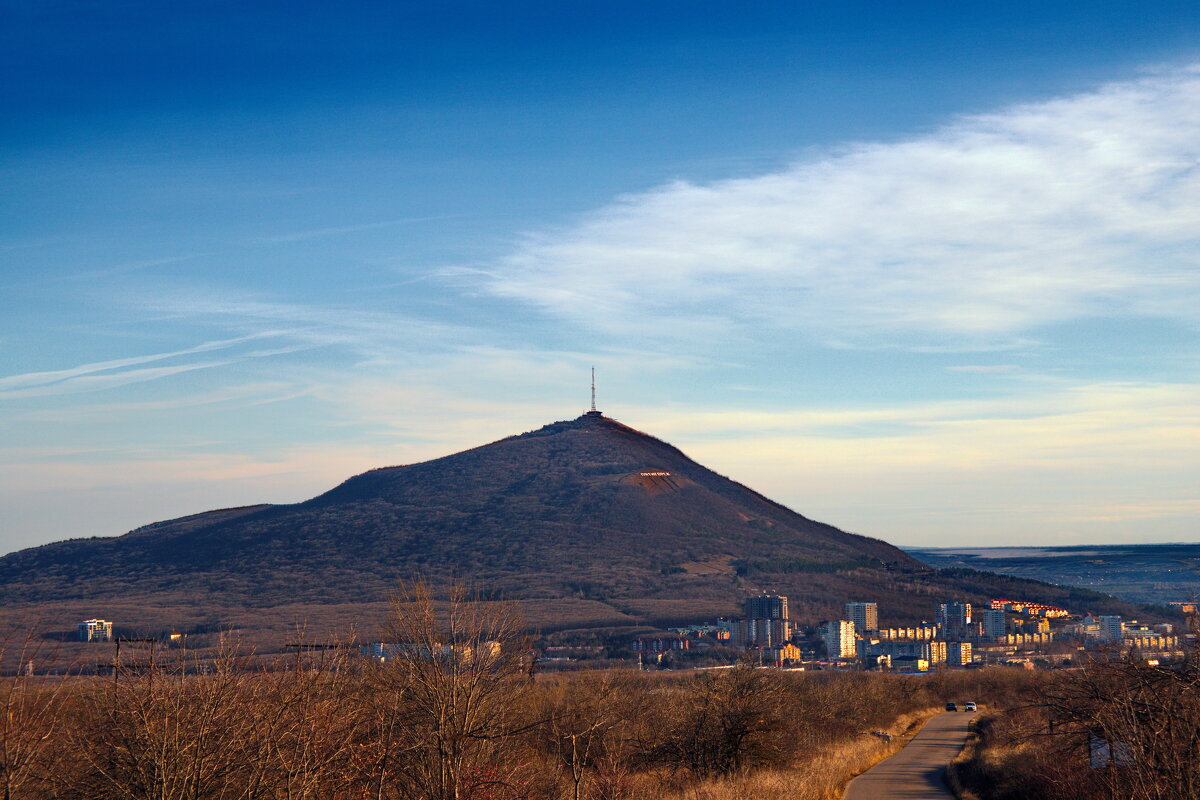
<point>927,271</point>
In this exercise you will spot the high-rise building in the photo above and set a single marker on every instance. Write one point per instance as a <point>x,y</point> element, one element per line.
<point>757,632</point>
<point>958,654</point>
<point>95,630</point>
<point>839,639</point>
<point>766,622</point>
<point>1111,629</point>
<point>767,606</point>
<point>994,622</point>
<point>865,616</point>
<point>954,619</point>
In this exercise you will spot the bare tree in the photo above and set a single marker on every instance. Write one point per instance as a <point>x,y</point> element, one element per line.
<point>30,719</point>
<point>1139,724</point>
<point>452,685</point>
<point>583,721</point>
<point>167,734</point>
<point>723,723</point>
<point>300,728</point>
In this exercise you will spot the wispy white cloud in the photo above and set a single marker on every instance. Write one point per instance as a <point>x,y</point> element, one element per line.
<point>308,324</point>
<point>315,233</point>
<point>983,368</point>
<point>966,237</point>
<point>56,376</point>
<point>135,266</point>
<point>240,396</point>
<point>98,375</point>
<point>92,383</point>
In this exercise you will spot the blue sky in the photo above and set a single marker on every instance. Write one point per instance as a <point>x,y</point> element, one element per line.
<point>926,271</point>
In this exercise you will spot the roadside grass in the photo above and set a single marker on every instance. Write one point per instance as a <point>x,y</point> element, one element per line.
<point>817,775</point>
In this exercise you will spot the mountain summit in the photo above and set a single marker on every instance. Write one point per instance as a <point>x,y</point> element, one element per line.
<point>586,518</point>
<point>582,507</point>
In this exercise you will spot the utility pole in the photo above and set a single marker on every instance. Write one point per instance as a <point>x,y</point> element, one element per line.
<point>300,647</point>
<point>117,656</point>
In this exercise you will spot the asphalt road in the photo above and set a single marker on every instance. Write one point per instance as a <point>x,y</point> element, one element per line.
<point>915,773</point>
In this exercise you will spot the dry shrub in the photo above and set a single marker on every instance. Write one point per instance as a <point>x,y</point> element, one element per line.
<point>33,714</point>
<point>449,698</point>
<point>723,722</point>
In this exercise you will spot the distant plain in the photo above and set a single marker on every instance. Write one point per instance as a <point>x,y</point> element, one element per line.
<point>1137,573</point>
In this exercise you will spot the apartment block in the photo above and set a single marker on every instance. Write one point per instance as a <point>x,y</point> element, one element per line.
<point>954,619</point>
<point>760,632</point>
<point>994,622</point>
<point>920,632</point>
<point>767,606</point>
<point>865,616</point>
<point>839,639</point>
<point>95,630</point>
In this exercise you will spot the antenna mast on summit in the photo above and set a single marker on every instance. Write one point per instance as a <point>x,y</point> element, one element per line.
<point>593,390</point>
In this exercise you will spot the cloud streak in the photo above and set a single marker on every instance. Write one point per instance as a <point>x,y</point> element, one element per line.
<point>116,372</point>
<point>92,383</point>
<point>970,236</point>
<point>316,233</point>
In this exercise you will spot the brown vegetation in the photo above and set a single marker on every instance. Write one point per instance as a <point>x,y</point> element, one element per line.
<point>449,716</point>
<point>1114,729</point>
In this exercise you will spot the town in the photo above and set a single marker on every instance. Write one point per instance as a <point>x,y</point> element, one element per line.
<point>1007,632</point>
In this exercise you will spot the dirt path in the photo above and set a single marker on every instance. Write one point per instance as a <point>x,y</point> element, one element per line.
<point>915,773</point>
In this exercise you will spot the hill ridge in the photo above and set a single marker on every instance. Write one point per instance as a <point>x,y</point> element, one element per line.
<point>573,513</point>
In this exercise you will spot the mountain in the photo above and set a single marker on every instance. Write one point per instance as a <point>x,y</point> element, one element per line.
<point>586,520</point>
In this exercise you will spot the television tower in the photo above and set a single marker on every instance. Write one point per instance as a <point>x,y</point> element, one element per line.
<point>593,412</point>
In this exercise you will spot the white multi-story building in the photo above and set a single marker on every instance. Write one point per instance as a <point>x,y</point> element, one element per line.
<point>865,616</point>
<point>95,630</point>
<point>1111,628</point>
<point>839,639</point>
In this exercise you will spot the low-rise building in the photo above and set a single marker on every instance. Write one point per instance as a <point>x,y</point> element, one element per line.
<point>920,632</point>
<point>718,631</point>
<point>1030,609</point>
<point>1026,638</point>
<point>659,644</point>
<point>935,652</point>
<point>1150,641</point>
<point>910,664</point>
<point>460,653</point>
<point>1031,625</point>
<point>782,655</point>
